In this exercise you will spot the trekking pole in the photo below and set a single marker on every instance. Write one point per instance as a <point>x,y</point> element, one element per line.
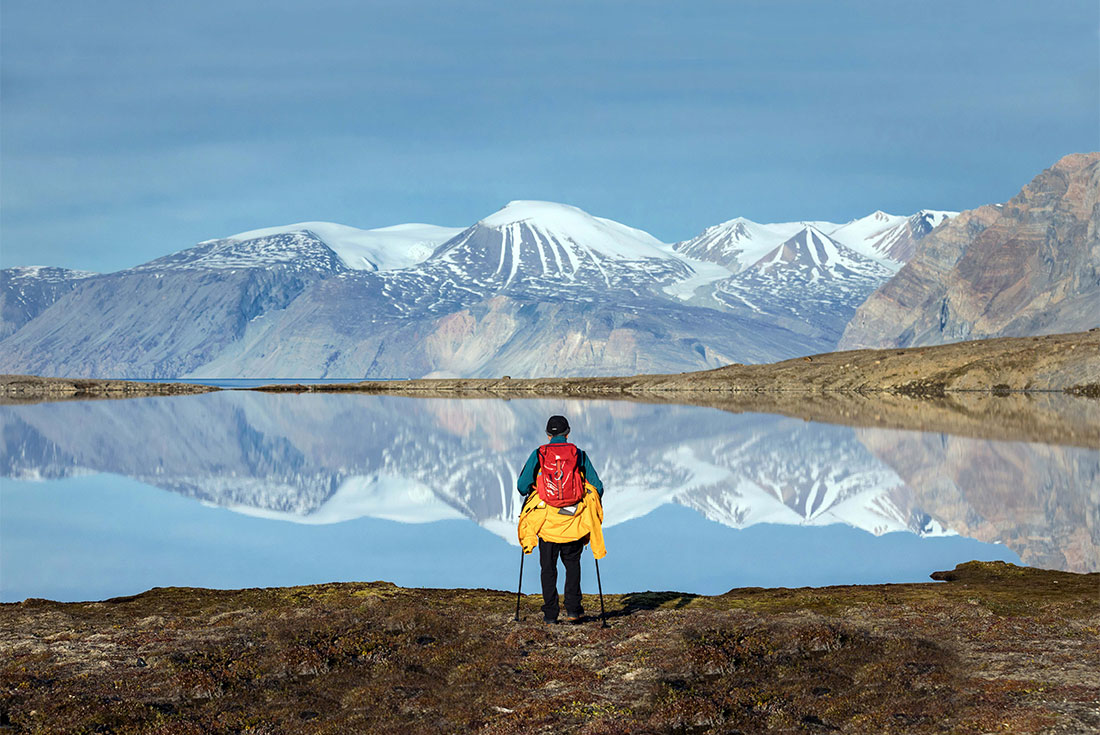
<point>520,585</point>
<point>599,585</point>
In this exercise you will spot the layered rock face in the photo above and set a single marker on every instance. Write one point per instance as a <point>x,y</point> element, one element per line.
<point>1028,267</point>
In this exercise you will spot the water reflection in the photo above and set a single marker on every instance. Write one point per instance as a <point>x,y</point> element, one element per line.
<point>324,459</point>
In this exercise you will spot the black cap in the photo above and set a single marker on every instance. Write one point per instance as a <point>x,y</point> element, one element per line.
<point>557,425</point>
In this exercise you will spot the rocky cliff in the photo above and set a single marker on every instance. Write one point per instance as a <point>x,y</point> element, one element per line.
<point>1029,266</point>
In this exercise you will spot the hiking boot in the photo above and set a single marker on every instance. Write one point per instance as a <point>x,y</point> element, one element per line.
<point>574,617</point>
<point>549,621</point>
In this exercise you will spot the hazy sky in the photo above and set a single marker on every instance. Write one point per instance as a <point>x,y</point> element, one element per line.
<point>134,129</point>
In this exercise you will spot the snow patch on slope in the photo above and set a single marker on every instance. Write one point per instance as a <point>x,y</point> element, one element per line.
<point>47,273</point>
<point>380,249</point>
<point>297,251</point>
<point>703,274</point>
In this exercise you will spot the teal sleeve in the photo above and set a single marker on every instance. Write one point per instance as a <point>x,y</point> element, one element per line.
<point>591,476</point>
<point>526,481</point>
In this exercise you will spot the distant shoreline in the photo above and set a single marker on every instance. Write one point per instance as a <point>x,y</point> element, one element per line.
<point>1068,363</point>
<point>35,389</point>
<point>1014,388</point>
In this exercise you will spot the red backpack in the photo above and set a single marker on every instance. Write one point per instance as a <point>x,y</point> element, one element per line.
<point>559,482</point>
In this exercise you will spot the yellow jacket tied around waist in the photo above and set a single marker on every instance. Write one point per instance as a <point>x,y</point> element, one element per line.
<point>538,520</point>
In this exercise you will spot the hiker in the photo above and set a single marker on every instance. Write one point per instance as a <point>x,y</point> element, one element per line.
<point>562,512</point>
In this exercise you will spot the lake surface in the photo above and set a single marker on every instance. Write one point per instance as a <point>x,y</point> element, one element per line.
<point>243,489</point>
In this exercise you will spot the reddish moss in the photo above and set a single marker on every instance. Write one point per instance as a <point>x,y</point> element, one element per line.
<point>996,645</point>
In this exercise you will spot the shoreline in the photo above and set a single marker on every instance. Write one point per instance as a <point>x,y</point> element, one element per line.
<point>1041,389</point>
<point>992,647</point>
<point>1060,363</point>
<point>16,389</point>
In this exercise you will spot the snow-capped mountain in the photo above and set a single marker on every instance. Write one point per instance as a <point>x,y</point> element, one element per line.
<point>380,249</point>
<point>740,242</point>
<point>806,276</point>
<point>811,256</point>
<point>543,246</point>
<point>319,246</point>
<point>536,288</point>
<point>291,251</point>
<point>887,237</point>
<point>331,458</point>
<point>810,281</point>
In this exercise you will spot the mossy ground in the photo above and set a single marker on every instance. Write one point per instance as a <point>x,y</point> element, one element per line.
<point>995,649</point>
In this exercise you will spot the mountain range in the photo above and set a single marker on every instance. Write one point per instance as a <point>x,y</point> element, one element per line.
<point>536,288</point>
<point>546,289</point>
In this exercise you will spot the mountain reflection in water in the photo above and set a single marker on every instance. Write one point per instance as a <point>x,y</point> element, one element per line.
<point>322,459</point>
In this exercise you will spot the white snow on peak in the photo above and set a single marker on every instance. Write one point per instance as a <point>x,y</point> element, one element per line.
<point>740,242</point>
<point>703,274</point>
<point>563,222</point>
<point>861,234</point>
<point>383,248</point>
<point>809,246</point>
<point>888,238</point>
<point>47,273</point>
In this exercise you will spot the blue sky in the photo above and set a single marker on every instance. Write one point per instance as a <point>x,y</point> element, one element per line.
<point>130,129</point>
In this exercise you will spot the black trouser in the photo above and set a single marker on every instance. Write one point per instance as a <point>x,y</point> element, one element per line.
<point>571,557</point>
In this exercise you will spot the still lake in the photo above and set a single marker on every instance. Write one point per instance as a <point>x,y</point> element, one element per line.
<point>243,489</point>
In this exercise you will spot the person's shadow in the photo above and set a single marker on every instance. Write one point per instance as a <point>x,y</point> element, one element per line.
<point>635,601</point>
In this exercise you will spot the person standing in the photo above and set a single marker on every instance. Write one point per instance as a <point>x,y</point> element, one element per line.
<point>562,511</point>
